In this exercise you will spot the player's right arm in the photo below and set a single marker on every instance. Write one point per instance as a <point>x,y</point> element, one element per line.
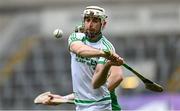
<point>81,49</point>
<point>78,47</point>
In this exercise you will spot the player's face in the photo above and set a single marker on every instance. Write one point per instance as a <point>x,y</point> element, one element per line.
<point>92,25</point>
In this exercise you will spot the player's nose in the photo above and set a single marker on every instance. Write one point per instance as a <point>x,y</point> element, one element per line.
<point>90,23</point>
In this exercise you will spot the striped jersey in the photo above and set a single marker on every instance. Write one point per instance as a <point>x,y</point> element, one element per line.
<point>82,70</point>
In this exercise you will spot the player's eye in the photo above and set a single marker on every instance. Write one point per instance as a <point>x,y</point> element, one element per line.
<point>96,20</point>
<point>87,19</point>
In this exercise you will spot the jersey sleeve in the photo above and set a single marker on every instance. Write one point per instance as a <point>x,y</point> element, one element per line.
<point>108,47</point>
<point>75,37</point>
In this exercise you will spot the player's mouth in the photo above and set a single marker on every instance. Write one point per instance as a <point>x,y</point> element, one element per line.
<point>91,30</point>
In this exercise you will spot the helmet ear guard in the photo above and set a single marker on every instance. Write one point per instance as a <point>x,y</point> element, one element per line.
<point>103,25</point>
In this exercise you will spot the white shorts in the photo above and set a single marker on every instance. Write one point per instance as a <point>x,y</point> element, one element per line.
<point>95,107</point>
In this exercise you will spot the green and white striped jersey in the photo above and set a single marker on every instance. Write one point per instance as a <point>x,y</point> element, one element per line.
<point>82,70</point>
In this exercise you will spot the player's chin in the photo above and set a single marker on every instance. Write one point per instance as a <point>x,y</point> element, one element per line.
<point>92,33</point>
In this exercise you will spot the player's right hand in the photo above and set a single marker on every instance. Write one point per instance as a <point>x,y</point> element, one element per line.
<point>115,59</point>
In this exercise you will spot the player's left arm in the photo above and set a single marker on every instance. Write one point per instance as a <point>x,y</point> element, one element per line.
<point>115,77</point>
<point>102,70</point>
<point>100,75</point>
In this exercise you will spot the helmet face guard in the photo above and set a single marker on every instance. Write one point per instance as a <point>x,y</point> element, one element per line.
<point>95,11</point>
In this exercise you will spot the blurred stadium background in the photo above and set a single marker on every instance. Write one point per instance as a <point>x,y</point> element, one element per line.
<point>146,33</point>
